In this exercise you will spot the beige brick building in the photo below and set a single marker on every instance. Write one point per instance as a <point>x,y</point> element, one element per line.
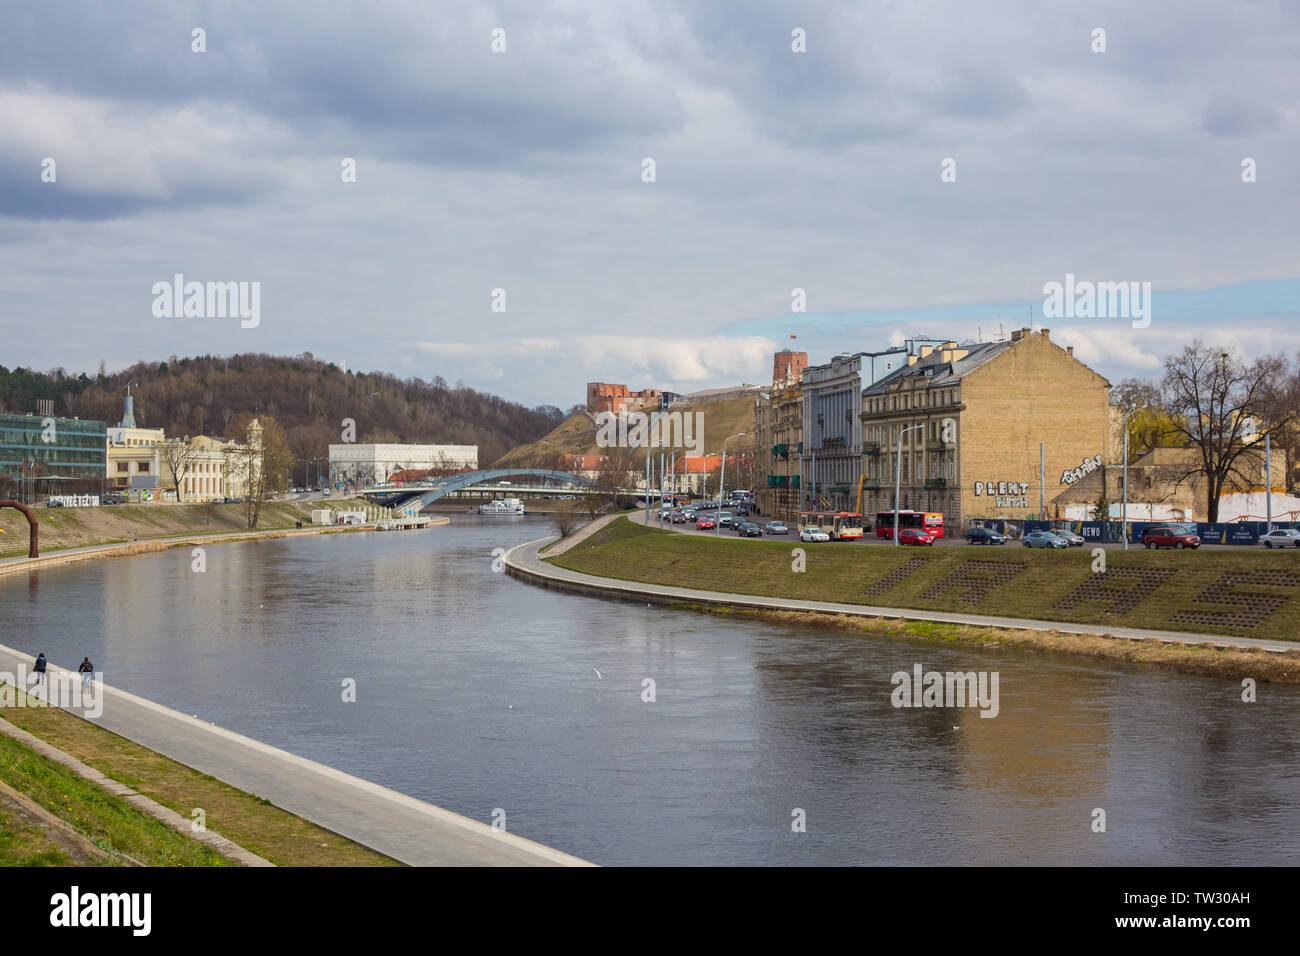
<point>982,410</point>
<point>778,444</point>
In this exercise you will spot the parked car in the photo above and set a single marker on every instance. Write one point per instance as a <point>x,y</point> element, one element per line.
<point>1169,536</point>
<point>776,527</point>
<point>914,536</point>
<point>704,524</point>
<point>1044,539</point>
<point>724,519</point>
<point>813,533</point>
<point>51,503</point>
<point>1071,539</point>
<point>985,536</point>
<point>1281,538</point>
<point>747,529</point>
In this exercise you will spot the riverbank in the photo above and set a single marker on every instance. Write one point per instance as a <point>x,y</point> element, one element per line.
<point>76,794</point>
<point>179,760</point>
<point>66,529</point>
<point>628,561</point>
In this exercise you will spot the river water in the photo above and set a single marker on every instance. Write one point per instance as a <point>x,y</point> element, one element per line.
<point>477,692</point>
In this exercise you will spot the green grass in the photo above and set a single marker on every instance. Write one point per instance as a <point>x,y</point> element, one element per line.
<point>109,821</point>
<point>842,572</point>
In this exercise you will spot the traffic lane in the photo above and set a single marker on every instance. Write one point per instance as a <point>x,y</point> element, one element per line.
<point>870,538</point>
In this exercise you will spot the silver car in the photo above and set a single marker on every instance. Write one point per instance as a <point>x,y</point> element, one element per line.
<point>1044,539</point>
<point>1281,538</point>
<point>1071,539</point>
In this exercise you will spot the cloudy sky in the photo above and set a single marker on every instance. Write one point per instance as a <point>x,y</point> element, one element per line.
<point>522,170</point>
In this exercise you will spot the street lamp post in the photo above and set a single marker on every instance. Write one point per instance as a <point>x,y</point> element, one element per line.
<point>1123,510</point>
<point>722,480</point>
<point>898,473</point>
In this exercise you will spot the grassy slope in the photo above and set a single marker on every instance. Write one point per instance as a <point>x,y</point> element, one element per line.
<point>577,434</point>
<point>108,820</point>
<point>248,820</point>
<point>62,528</point>
<point>843,572</point>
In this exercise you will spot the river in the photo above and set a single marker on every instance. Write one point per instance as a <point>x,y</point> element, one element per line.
<point>475,691</point>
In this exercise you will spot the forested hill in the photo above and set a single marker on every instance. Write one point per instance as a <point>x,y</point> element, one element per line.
<point>205,395</point>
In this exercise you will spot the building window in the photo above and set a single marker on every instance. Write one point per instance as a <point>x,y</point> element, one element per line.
<point>123,466</point>
<point>143,468</point>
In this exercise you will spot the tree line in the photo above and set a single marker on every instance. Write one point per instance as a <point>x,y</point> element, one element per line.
<point>308,398</point>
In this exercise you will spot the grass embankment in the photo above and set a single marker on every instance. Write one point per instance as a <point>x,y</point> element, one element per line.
<point>1141,589</point>
<point>122,833</point>
<point>252,822</point>
<point>63,528</point>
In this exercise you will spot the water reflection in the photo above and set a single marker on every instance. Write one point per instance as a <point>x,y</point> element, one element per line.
<point>475,691</point>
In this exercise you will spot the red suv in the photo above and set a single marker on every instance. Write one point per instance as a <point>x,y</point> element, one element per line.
<point>1166,536</point>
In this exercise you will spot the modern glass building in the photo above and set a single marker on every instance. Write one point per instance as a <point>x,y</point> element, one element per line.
<point>42,456</point>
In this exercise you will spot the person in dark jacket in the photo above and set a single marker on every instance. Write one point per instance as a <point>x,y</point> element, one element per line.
<point>40,667</point>
<point>85,669</point>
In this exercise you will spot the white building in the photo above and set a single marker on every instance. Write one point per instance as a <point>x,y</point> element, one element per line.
<point>356,463</point>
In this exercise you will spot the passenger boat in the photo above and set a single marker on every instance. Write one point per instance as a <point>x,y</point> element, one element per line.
<point>502,506</point>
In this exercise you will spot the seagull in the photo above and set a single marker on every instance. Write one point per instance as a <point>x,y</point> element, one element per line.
<point>598,673</point>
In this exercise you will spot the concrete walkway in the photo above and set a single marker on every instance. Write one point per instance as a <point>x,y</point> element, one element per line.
<point>524,562</point>
<point>402,827</point>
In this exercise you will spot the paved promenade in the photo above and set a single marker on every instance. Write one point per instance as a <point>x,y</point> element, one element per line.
<point>524,562</point>
<point>402,827</point>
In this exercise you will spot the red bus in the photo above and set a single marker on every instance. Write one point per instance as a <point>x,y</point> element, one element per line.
<point>931,522</point>
<point>840,525</point>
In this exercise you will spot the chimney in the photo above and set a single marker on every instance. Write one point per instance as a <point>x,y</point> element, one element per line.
<point>1018,334</point>
<point>911,360</point>
<point>926,350</point>
<point>1069,350</point>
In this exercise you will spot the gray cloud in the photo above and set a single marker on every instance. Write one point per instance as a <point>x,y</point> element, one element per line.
<point>522,170</point>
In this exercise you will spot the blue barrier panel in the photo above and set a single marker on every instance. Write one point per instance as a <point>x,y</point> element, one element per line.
<point>1090,530</point>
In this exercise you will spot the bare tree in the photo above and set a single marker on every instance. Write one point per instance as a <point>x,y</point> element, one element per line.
<point>1281,405</point>
<point>1216,404</point>
<point>178,456</point>
<point>263,461</point>
<point>567,519</point>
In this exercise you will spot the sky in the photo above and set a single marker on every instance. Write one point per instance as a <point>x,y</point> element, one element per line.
<point>915,168</point>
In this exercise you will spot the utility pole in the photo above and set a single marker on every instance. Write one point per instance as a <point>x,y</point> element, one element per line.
<point>1123,511</point>
<point>898,476</point>
<point>722,481</point>
<point>1268,481</point>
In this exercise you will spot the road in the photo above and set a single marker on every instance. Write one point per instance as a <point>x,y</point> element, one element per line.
<point>870,537</point>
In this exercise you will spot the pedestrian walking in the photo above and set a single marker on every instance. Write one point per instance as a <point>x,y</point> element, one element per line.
<point>40,668</point>
<point>86,669</point>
